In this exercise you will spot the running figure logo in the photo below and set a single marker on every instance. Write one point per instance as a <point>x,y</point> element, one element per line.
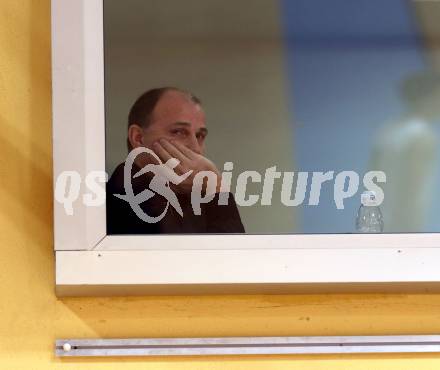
<point>160,184</point>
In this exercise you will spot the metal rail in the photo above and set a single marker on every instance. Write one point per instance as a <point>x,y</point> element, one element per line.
<point>247,346</point>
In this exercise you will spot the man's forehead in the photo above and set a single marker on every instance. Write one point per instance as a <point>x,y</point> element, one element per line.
<point>177,103</point>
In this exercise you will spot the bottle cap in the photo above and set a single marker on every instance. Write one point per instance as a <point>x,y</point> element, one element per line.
<point>368,198</point>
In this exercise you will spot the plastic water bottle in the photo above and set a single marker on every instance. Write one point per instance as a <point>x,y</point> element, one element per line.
<point>369,217</point>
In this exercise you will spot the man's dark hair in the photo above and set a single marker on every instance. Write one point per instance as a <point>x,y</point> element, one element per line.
<point>142,110</point>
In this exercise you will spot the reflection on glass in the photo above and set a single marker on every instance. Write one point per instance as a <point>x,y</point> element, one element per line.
<point>302,100</point>
<point>406,150</point>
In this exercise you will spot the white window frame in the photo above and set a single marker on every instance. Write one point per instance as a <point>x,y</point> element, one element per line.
<point>89,262</point>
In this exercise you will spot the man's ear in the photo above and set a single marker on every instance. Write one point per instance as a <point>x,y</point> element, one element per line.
<point>135,136</point>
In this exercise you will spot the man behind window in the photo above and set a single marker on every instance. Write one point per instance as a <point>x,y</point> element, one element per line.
<point>170,122</point>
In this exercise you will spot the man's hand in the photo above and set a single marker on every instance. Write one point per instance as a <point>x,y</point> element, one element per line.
<point>189,160</point>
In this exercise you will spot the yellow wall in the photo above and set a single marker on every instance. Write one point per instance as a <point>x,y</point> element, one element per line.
<point>31,317</point>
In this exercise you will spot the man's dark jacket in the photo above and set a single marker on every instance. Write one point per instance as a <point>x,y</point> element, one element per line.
<point>121,219</point>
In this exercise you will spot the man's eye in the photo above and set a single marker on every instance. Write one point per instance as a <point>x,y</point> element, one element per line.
<point>178,132</point>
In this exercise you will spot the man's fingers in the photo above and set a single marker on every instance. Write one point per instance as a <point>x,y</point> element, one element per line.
<point>186,151</point>
<point>161,152</point>
<point>165,156</point>
<point>173,150</point>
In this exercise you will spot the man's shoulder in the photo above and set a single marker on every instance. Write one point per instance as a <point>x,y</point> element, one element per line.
<point>116,180</point>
